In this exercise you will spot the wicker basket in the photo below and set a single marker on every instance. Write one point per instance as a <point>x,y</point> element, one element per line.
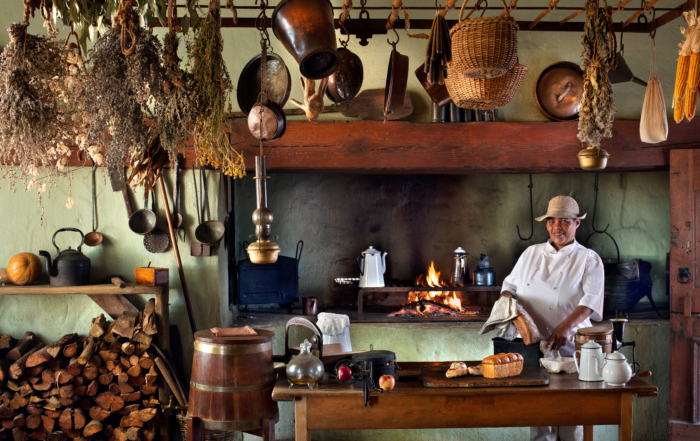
<point>484,47</point>
<point>486,93</point>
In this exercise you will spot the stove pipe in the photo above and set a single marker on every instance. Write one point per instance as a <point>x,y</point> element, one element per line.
<point>262,251</point>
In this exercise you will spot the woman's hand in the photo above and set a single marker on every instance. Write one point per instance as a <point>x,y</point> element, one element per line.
<point>559,336</point>
<point>506,294</point>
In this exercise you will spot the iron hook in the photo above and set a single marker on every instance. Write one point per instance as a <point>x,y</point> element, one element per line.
<point>595,230</point>
<point>397,36</point>
<point>532,222</point>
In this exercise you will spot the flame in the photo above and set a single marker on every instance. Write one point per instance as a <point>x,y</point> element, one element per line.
<point>433,279</point>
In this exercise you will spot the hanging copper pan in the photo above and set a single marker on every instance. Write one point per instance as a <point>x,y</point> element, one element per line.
<point>307,30</point>
<point>346,82</point>
<point>396,81</point>
<point>279,82</point>
<point>438,93</point>
<point>558,91</point>
<point>267,121</point>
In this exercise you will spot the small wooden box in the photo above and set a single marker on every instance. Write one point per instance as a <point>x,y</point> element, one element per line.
<point>152,276</point>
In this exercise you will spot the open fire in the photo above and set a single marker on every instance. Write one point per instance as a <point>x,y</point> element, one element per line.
<point>443,303</point>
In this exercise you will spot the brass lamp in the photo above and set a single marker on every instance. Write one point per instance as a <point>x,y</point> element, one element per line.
<point>262,250</point>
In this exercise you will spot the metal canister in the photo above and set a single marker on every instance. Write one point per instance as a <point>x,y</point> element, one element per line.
<point>602,335</point>
<point>232,381</point>
<point>439,113</point>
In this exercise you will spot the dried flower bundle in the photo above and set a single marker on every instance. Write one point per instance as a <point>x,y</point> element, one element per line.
<point>599,54</point>
<point>212,86</point>
<point>32,121</point>
<point>124,75</point>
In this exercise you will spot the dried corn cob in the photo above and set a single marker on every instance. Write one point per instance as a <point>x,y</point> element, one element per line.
<point>694,72</point>
<point>690,101</point>
<point>681,82</point>
<point>678,112</point>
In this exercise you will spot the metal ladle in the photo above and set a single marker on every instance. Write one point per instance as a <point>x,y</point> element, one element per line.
<point>143,221</point>
<point>211,231</point>
<point>94,238</point>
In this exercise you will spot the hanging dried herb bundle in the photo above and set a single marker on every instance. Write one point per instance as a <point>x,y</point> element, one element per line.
<point>124,74</point>
<point>32,120</point>
<point>599,54</point>
<point>212,86</point>
<point>176,112</point>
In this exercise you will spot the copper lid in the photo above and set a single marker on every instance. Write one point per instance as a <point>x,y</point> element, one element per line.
<point>595,330</point>
<point>558,91</point>
<point>207,336</point>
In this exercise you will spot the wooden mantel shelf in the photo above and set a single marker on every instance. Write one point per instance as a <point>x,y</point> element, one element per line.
<point>367,147</point>
<point>105,289</point>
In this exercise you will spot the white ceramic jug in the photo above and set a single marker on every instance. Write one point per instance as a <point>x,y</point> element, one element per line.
<point>616,371</point>
<point>372,268</point>
<point>592,358</point>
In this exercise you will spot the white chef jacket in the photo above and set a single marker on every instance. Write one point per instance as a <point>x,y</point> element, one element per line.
<point>550,284</point>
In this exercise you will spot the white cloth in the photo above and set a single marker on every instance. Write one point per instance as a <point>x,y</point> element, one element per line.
<point>550,284</point>
<point>552,433</point>
<point>332,324</point>
<point>503,311</point>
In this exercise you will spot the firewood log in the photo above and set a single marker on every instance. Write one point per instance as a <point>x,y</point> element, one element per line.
<point>124,361</point>
<point>105,379</point>
<point>131,408</point>
<point>72,433</point>
<point>124,325</point>
<point>117,403</point>
<point>33,409</point>
<point>143,340</point>
<point>88,350</point>
<point>150,402</point>
<point>128,348</point>
<point>118,369</point>
<point>63,376</point>
<point>92,389</point>
<point>114,388</point>
<point>58,363</point>
<point>90,373</point>
<point>108,431</point>
<point>19,434</point>
<point>39,434</point>
<point>17,368</point>
<point>28,341</point>
<point>53,413</point>
<point>67,402</point>
<point>137,381</point>
<point>5,399</point>
<point>66,419</point>
<point>105,399</point>
<point>80,390</point>
<point>98,413</point>
<point>20,420</point>
<point>123,377</point>
<point>7,342</point>
<point>134,371</point>
<point>79,419</point>
<point>109,336</point>
<point>70,350</point>
<point>120,434</point>
<point>74,367</point>
<point>108,356</point>
<point>79,381</point>
<point>130,421</point>
<point>35,371</point>
<point>48,423</point>
<point>149,389</point>
<point>135,396</point>
<point>97,328</point>
<point>133,434</point>
<point>33,421</point>
<point>51,351</point>
<point>48,375</point>
<point>25,390</point>
<point>125,388</point>
<point>92,428</point>
<point>42,386</point>
<point>5,369</point>
<point>18,401</point>
<point>52,404</point>
<point>94,361</point>
<point>146,362</point>
<point>134,360</point>
<point>34,399</point>
<point>8,424</point>
<point>145,415</point>
<point>13,385</point>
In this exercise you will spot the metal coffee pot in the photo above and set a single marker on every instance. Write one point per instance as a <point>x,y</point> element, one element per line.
<point>592,358</point>
<point>460,268</point>
<point>68,267</point>
<point>372,268</point>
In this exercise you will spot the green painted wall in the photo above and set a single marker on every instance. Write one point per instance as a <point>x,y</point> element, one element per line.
<point>419,218</point>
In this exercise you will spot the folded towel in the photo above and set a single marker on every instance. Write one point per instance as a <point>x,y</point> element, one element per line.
<point>504,310</point>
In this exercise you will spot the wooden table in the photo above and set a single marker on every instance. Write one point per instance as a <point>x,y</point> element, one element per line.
<point>566,401</point>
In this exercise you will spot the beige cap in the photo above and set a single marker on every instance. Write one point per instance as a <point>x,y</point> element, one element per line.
<point>563,207</point>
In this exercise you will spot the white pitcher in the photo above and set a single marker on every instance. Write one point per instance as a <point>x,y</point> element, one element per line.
<point>592,359</point>
<point>372,268</point>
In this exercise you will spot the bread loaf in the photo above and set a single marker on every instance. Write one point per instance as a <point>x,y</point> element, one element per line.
<point>457,369</point>
<point>526,327</point>
<point>502,365</point>
<point>475,370</point>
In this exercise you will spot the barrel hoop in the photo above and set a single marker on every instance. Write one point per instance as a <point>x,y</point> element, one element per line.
<point>232,349</point>
<point>231,389</point>
<point>595,341</point>
<point>236,425</point>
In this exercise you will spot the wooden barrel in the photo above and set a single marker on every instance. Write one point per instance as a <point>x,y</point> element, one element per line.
<point>232,381</point>
<point>599,334</point>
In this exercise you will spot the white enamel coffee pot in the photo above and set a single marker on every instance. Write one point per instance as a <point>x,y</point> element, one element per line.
<point>592,358</point>
<point>372,268</point>
<point>616,371</point>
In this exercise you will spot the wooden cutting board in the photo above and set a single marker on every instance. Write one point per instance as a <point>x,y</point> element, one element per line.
<point>434,376</point>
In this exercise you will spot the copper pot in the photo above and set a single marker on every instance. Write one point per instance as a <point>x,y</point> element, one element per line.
<point>267,121</point>
<point>346,82</point>
<point>558,91</point>
<point>307,31</point>
<point>279,82</point>
<point>396,82</point>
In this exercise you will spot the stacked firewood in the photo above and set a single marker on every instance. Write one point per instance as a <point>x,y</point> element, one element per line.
<point>101,387</point>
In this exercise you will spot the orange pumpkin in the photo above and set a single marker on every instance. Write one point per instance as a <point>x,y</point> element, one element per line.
<point>24,268</point>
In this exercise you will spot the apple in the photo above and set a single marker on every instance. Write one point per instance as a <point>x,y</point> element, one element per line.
<point>387,382</point>
<point>344,373</point>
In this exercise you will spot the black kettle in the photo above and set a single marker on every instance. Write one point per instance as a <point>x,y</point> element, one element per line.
<point>69,267</point>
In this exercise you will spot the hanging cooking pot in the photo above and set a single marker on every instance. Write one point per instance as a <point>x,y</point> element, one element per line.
<point>346,82</point>
<point>307,31</point>
<point>279,82</point>
<point>266,120</point>
<point>558,91</point>
<point>396,81</point>
<point>68,267</point>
